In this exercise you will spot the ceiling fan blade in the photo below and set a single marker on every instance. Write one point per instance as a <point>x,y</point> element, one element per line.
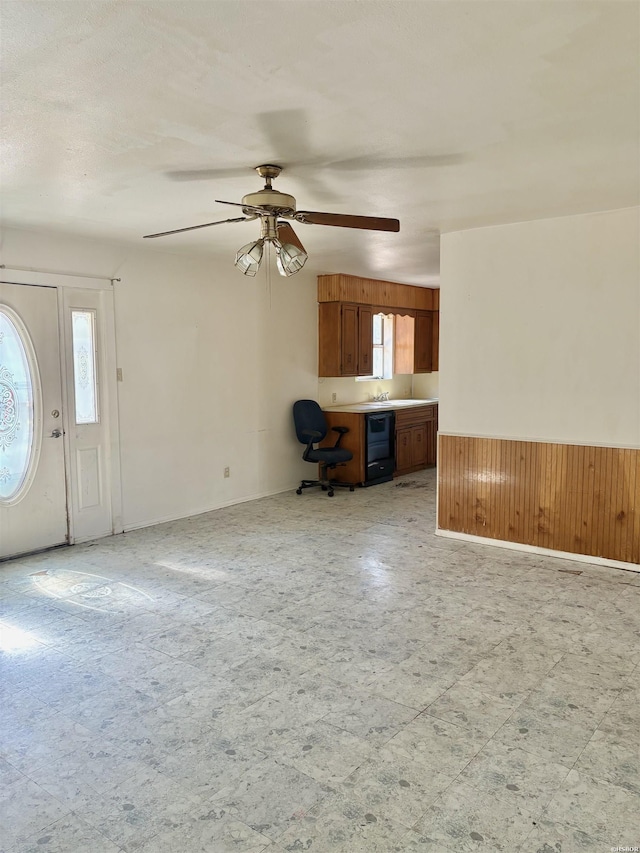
<point>370,164</point>
<point>369,223</point>
<point>195,227</point>
<point>288,235</point>
<point>207,174</point>
<point>259,211</point>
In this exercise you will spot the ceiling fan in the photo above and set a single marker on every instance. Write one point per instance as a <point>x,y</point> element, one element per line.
<point>273,208</point>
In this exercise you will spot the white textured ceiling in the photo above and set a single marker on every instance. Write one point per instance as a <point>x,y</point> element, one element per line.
<point>445,114</point>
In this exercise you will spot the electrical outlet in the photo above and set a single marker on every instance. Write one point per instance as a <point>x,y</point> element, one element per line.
<point>227,472</point>
<point>334,397</point>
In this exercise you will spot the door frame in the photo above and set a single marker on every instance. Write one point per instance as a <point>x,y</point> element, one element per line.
<point>62,283</point>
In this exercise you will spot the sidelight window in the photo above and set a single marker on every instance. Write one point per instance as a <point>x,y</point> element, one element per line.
<point>83,326</point>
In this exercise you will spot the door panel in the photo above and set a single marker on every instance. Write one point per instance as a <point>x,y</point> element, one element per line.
<point>365,343</point>
<point>419,445</point>
<point>423,343</point>
<point>404,457</point>
<point>349,343</point>
<point>35,515</point>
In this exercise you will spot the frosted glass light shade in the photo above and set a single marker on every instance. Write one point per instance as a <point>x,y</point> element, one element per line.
<point>290,259</point>
<point>249,257</point>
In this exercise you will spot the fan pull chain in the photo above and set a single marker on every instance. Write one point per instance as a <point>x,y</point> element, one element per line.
<point>269,274</point>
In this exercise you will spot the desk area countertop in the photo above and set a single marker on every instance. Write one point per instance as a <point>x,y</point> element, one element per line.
<point>381,406</point>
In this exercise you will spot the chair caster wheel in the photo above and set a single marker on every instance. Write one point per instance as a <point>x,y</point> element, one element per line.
<point>298,491</point>
<point>324,488</point>
<point>330,493</point>
<point>351,489</point>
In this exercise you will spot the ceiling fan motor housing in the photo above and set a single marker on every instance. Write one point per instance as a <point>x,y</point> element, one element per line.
<point>271,199</point>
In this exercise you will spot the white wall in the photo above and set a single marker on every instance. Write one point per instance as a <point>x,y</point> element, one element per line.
<point>350,390</point>
<point>211,363</point>
<point>426,386</point>
<point>420,386</point>
<point>540,330</point>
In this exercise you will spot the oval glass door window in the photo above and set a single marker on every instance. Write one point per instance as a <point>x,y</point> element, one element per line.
<point>17,408</point>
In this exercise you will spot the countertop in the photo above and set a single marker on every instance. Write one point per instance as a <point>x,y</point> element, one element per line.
<point>383,406</point>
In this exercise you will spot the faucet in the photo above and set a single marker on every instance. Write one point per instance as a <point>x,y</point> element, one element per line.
<point>380,398</point>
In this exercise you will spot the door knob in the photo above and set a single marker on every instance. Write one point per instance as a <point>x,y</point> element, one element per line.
<point>57,433</point>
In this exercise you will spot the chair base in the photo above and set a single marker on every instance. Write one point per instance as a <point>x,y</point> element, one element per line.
<point>326,486</point>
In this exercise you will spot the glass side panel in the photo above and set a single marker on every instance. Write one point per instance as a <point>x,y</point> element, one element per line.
<point>16,409</point>
<point>378,320</point>
<point>84,366</point>
<point>378,361</point>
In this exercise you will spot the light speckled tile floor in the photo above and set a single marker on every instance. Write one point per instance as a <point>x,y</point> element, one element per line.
<point>310,674</point>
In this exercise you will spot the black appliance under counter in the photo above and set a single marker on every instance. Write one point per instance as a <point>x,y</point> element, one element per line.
<point>379,447</point>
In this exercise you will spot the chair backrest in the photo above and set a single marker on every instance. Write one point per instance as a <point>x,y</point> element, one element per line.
<point>307,414</point>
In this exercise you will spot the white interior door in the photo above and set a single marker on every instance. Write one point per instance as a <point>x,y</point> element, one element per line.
<point>33,500</point>
<point>89,426</point>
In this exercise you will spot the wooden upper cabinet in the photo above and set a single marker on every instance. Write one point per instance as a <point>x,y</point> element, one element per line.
<point>368,291</point>
<point>423,351</point>
<point>345,339</point>
<point>435,348</point>
<point>346,308</point>
<point>413,348</point>
<point>329,338</point>
<point>349,342</point>
<point>365,343</point>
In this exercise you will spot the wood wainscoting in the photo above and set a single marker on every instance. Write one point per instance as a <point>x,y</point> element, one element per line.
<point>564,497</point>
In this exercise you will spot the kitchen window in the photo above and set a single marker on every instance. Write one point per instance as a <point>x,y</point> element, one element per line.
<point>382,348</point>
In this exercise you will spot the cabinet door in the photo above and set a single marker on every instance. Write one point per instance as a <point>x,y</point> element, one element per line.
<point>431,442</point>
<point>435,349</point>
<point>354,440</point>
<point>423,346</point>
<point>349,340</point>
<point>365,323</point>
<point>419,445</point>
<point>404,454</point>
<point>403,343</point>
<point>329,333</point>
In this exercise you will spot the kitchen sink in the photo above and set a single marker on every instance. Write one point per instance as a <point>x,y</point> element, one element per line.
<point>395,404</point>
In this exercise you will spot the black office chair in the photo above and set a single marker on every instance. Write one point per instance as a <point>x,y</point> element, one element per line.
<point>311,428</point>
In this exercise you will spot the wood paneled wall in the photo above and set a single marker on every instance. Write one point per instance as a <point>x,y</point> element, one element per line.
<point>566,497</point>
<point>369,291</point>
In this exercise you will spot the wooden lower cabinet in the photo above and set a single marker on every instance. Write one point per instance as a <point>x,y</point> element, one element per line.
<point>353,471</point>
<point>416,438</point>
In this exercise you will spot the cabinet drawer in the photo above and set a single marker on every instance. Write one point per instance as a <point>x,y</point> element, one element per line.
<point>417,415</point>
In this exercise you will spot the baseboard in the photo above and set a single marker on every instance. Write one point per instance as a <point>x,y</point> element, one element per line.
<point>139,525</point>
<point>534,549</point>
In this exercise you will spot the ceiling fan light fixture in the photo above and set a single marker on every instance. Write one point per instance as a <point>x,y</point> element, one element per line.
<point>272,208</point>
<point>289,258</point>
<point>249,257</point>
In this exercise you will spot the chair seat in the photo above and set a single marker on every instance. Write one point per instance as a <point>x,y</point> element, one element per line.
<point>329,455</point>
<point>311,428</point>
